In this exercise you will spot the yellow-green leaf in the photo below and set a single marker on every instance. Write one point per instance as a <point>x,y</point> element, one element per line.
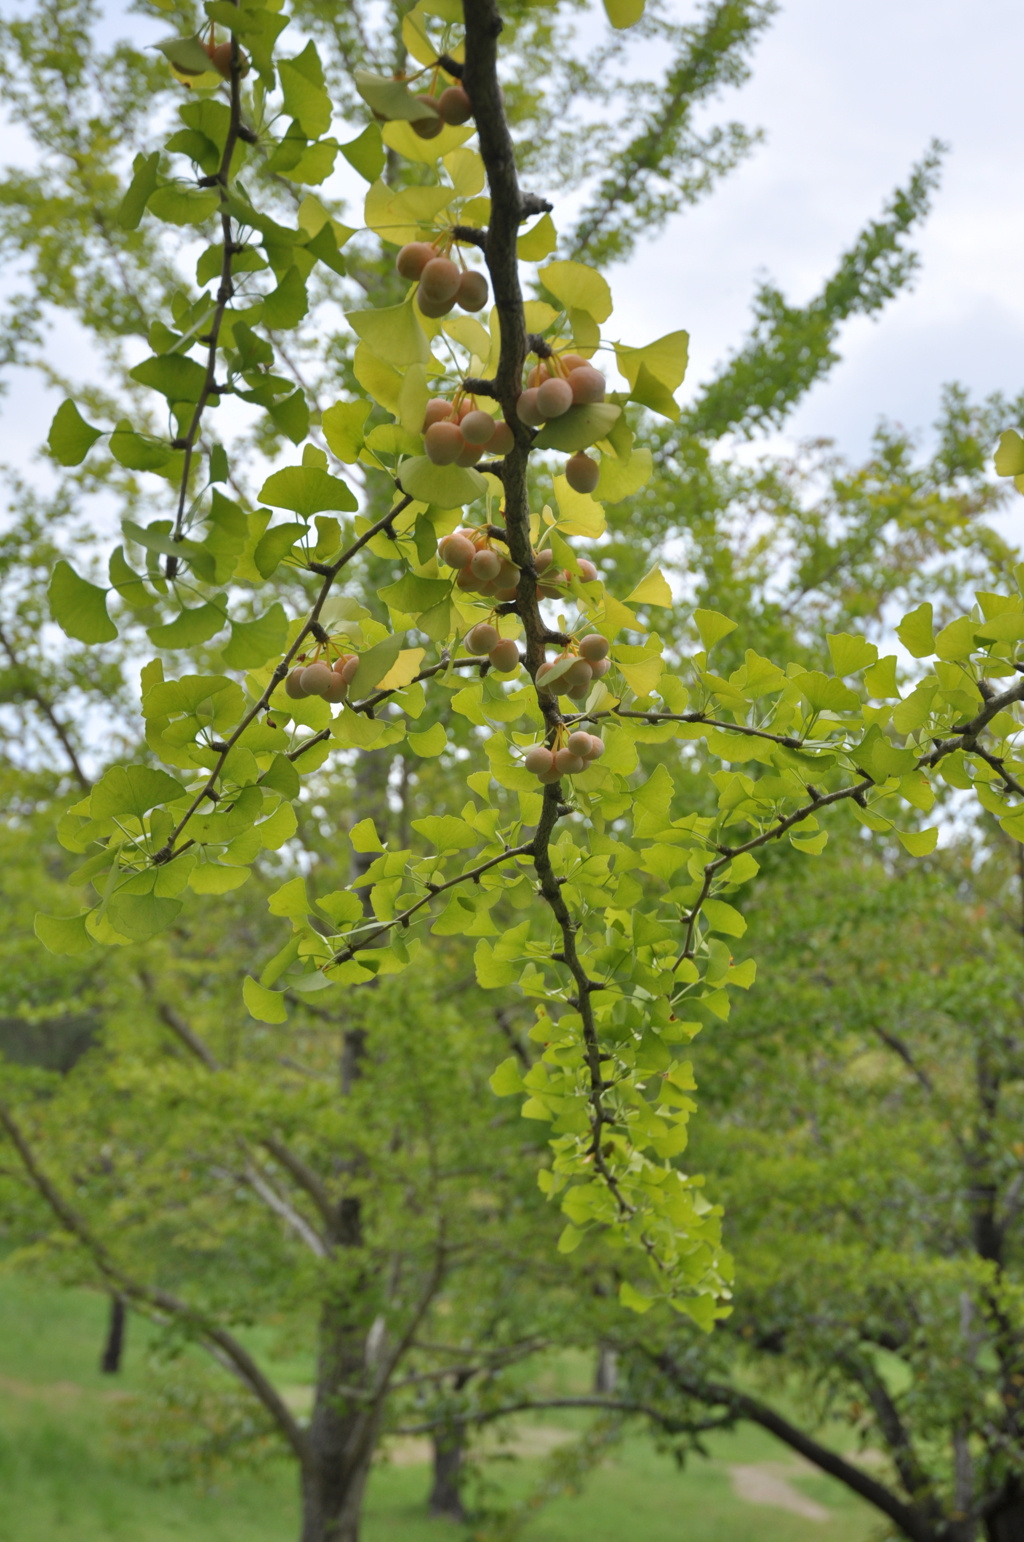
<point>652,590</point>
<point>264,1005</point>
<point>579,287</point>
<point>429,743</point>
<point>915,631</point>
<point>919,843</point>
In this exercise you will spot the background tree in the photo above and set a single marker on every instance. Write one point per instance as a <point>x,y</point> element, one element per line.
<point>348,1417</point>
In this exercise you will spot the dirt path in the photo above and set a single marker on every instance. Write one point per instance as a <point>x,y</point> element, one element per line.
<point>767,1483</point>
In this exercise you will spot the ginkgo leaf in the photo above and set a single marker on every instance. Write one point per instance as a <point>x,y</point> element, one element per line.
<point>1010,454</point>
<point>652,590</point>
<point>579,287</point>
<point>78,607</point>
<point>578,428</point>
<point>366,153</point>
<point>264,1005</point>
<point>402,137</point>
<point>393,332</point>
<point>538,243</point>
<point>389,98</point>
<point>63,934</point>
<point>915,631</point>
<point>342,425</point>
<point>447,487</point>
<point>71,437</point>
<point>307,490</point>
<point>432,742</point>
<point>712,626</point>
<point>621,14</point>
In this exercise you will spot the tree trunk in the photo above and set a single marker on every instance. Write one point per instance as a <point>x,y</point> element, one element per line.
<point>343,1430</point>
<point>110,1360</point>
<point>446,1496</point>
<point>1006,1524</point>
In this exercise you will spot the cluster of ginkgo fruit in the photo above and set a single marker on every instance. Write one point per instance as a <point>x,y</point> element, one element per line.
<point>568,758</point>
<point>483,568</point>
<point>552,387</point>
<point>451,106</point>
<point>574,673</point>
<point>440,282</point>
<point>459,433</point>
<point>320,678</point>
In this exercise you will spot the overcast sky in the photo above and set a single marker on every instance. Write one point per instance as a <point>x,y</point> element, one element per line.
<point>849,97</point>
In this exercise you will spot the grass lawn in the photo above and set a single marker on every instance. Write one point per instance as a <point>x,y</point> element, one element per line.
<point>60,1480</point>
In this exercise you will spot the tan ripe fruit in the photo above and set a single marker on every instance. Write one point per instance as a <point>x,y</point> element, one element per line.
<point>428,128</point>
<point>316,678</point>
<point>586,383</point>
<point>413,258</point>
<point>443,443</point>
<point>505,655</point>
<point>486,565</point>
<point>440,280</point>
<point>456,550</point>
<point>582,473</point>
<point>336,688</point>
<point>502,440</point>
<point>568,764</point>
<point>554,397</point>
<point>220,58</point>
<point>472,292</point>
<point>527,410</point>
<point>482,638</point>
<point>454,105</point>
<point>432,308</point>
<point>541,762</point>
<point>294,687</point>
<point>437,411</point>
<point>593,647</point>
<point>477,427</point>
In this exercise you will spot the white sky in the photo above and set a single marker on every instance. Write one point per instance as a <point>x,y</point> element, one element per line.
<point>849,97</point>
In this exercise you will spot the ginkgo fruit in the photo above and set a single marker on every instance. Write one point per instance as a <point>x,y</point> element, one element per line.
<point>593,647</point>
<point>443,443</point>
<point>554,397</point>
<point>527,410</point>
<point>346,666</point>
<point>586,384</point>
<point>220,58</point>
<point>582,473</point>
<point>316,678</point>
<point>472,292</point>
<point>505,655</point>
<point>440,279</point>
<point>477,427</point>
<point>541,762</point>
<point>413,258</point>
<point>454,105</point>
<point>428,128</point>
<point>588,572</point>
<point>437,411</point>
<point>568,764</point>
<point>457,550</point>
<point>486,565</point>
<point>293,686</point>
<point>502,440</point>
<point>482,638</point>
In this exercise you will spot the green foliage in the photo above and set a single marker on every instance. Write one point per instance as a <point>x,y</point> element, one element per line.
<point>612,903</point>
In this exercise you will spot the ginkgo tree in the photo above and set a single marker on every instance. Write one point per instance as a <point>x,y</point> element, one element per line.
<point>619,989</point>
